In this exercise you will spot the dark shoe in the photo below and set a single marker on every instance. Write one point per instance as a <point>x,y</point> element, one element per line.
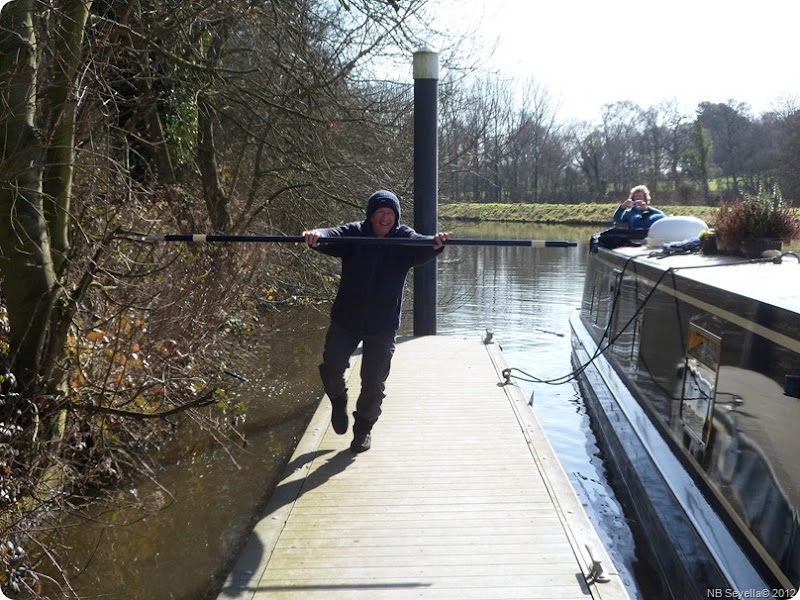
<point>361,442</point>
<point>339,419</point>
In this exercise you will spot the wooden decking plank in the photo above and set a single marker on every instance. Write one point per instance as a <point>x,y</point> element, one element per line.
<point>301,558</point>
<point>541,525</point>
<point>408,591</point>
<point>520,552</point>
<point>429,594</point>
<point>464,511</point>
<point>394,519</point>
<point>453,500</point>
<point>465,576</point>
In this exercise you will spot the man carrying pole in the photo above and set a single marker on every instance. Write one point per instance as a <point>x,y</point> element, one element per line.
<point>367,308</point>
<point>376,254</point>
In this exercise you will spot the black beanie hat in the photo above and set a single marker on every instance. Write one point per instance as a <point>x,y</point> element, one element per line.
<point>383,198</point>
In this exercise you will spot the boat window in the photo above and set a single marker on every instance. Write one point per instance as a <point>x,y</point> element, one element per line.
<point>615,300</point>
<point>700,382</point>
<point>594,308</point>
<point>602,295</point>
<point>637,330</point>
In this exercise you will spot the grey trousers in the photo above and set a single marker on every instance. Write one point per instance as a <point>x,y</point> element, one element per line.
<point>376,361</point>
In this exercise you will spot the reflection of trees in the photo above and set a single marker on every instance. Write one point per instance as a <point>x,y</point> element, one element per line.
<point>512,284</point>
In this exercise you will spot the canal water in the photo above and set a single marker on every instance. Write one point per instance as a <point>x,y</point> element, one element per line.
<point>180,532</point>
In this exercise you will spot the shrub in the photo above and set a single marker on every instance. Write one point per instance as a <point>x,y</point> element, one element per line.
<point>756,216</point>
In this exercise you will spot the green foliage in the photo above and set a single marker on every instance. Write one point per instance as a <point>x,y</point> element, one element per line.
<point>181,125</point>
<point>696,157</point>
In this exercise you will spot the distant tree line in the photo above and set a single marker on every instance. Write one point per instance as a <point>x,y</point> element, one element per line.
<point>502,142</point>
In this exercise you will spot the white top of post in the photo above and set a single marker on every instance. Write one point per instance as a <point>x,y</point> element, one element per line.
<point>426,64</point>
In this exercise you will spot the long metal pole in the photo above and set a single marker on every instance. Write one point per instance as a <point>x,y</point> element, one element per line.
<point>371,241</point>
<point>426,186</point>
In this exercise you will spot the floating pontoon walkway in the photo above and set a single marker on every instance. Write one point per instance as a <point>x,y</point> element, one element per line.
<point>461,497</point>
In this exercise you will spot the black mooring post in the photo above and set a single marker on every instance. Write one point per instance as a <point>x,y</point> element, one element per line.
<point>426,182</point>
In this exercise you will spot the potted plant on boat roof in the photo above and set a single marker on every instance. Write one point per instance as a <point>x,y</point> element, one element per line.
<point>754,223</point>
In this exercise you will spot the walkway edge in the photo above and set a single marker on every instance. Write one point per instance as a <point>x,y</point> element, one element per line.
<point>583,537</point>
<point>252,561</point>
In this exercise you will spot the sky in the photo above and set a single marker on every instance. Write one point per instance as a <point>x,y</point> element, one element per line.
<point>588,53</point>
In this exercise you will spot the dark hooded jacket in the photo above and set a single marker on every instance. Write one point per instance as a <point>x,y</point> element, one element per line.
<point>370,293</point>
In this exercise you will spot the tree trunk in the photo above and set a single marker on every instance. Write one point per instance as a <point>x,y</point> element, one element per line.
<point>60,98</point>
<point>25,260</point>
<point>36,179</point>
<point>216,201</point>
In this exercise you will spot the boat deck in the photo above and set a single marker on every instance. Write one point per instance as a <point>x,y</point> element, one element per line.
<point>461,496</point>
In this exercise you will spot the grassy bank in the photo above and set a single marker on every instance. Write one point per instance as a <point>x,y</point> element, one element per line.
<point>568,214</point>
<point>571,214</point>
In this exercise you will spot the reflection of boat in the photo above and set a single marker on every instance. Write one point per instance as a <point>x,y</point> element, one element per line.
<point>693,390</point>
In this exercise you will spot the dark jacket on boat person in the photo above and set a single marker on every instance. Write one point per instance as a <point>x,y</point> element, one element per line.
<point>367,309</point>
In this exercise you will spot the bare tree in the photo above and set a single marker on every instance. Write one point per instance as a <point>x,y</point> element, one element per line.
<point>458,144</point>
<point>621,127</point>
<point>589,152</point>
<point>675,140</point>
<point>471,134</point>
<point>36,182</point>
<point>533,140</point>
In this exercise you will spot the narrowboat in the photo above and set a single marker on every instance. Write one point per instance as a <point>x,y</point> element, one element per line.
<point>690,365</point>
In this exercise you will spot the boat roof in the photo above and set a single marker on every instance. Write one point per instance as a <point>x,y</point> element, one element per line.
<point>768,282</point>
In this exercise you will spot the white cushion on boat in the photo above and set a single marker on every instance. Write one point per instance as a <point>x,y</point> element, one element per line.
<point>674,229</point>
